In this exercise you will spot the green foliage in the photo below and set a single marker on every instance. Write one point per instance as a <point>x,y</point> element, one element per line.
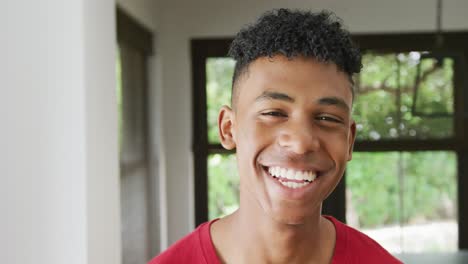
<point>219,73</point>
<point>384,97</point>
<point>426,182</point>
<point>384,188</point>
<point>223,185</point>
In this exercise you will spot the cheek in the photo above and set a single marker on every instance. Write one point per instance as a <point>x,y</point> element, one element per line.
<point>337,145</point>
<point>253,135</point>
<point>252,138</point>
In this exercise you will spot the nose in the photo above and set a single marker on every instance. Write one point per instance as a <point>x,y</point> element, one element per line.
<point>299,138</point>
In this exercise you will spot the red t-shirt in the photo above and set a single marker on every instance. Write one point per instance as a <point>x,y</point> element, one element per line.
<point>351,247</point>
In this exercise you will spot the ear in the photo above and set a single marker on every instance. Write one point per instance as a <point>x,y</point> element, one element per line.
<point>352,138</point>
<point>226,127</point>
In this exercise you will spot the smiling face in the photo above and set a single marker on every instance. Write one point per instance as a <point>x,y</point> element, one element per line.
<point>293,134</point>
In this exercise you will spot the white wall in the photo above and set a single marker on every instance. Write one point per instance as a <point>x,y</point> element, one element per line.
<point>58,160</point>
<point>178,21</point>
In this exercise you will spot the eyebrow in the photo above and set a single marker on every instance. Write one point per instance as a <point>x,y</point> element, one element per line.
<point>332,100</point>
<point>268,95</point>
<point>335,101</point>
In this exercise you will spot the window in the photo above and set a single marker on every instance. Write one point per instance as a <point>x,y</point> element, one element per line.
<point>410,155</point>
<point>400,194</point>
<point>403,198</point>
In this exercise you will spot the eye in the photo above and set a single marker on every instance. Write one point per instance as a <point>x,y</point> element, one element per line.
<point>274,114</point>
<point>328,118</point>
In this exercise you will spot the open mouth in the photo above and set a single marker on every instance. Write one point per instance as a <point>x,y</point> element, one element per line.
<point>292,178</point>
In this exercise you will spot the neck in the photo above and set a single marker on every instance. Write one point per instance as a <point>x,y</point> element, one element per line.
<point>259,238</point>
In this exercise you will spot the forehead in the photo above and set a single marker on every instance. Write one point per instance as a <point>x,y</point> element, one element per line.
<point>300,77</point>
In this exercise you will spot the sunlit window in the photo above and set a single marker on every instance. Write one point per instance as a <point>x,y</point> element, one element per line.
<point>403,198</point>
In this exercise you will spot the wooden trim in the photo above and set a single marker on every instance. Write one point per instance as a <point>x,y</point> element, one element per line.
<point>130,32</point>
<point>461,126</point>
<point>462,159</point>
<point>206,48</point>
<point>391,42</point>
<point>404,42</point>
<point>201,49</point>
<point>200,132</point>
<point>380,146</point>
<point>335,204</point>
<point>218,149</point>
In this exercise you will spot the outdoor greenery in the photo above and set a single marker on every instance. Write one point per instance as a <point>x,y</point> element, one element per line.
<point>223,185</point>
<point>382,188</point>
<point>219,73</point>
<point>425,182</point>
<point>384,97</point>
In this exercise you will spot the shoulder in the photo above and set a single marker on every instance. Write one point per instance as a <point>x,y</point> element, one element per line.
<point>189,249</point>
<point>358,247</point>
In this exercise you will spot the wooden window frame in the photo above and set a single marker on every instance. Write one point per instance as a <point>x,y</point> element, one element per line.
<point>454,43</point>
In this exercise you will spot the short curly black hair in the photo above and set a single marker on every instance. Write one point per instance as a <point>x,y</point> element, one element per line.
<point>293,33</point>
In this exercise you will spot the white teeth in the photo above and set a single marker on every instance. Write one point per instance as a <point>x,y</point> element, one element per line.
<point>293,185</point>
<point>278,171</point>
<point>282,172</point>
<point>299,175</point>
<point>290,174</point>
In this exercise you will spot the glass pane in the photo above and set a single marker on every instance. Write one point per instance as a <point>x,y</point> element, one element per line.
<point>223,185</point>
<point>385,96</point>
<point>219,73</point>
<point>435,89</point>
<point>404,200</point>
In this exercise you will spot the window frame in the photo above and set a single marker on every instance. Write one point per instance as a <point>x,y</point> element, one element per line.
<point>455,44</point>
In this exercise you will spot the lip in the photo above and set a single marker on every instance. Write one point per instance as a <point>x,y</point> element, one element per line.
<point>294,167</point>
<point>290,193</point>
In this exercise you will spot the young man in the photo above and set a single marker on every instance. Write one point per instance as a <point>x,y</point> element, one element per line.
<point>291,126</point>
